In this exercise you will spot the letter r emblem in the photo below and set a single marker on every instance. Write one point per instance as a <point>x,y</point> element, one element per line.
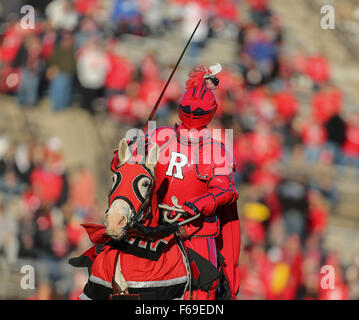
<point>183,160</point>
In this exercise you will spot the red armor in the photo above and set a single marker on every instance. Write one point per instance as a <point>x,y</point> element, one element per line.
<point>199,172</point>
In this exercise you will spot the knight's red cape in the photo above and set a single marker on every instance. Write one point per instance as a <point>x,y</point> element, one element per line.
<point>229,243</point>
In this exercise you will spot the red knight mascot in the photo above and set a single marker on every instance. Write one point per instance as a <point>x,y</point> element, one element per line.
<point>195,173</point>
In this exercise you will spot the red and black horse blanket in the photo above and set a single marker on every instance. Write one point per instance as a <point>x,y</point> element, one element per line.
<point>152,269</point>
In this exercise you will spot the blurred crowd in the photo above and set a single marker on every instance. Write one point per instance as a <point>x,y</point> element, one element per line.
<point>75,55</point>
<point>42,204</point>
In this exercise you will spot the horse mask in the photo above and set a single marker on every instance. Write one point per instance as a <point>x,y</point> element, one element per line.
<point>129,198</point>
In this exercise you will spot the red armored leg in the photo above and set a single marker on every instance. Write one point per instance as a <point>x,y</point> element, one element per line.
<point>206,247</point>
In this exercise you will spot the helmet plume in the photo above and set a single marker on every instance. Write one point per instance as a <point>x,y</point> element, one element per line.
<point>196,76</point>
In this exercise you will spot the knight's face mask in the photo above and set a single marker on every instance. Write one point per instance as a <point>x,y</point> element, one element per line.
<point>198,104</point>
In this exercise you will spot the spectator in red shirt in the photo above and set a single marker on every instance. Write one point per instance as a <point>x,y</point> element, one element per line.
<point>11,42</point>
<point>313,137</point>
<point>47,185</point>
<point>326,103</point>
<point>149,91</point>
<point>252,264</point>
<point>46,180</point>
<point>149,68</point>
<point>120,71</point>
<point>48,40</point>
<point>265,146</point>
<point>227,9</point>
<point>318,69</point>
<point>84,7</point>
<point>119,107</point>
<point>318,213</point>
<point>9,47</point>
<point>294,256</point>
<point>286,104</point>
<point>82,193</point>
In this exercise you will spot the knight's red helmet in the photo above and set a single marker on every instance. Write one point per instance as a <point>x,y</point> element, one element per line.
<point>198,104</point>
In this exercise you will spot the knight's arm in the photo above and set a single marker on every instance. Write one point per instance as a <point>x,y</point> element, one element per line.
<point>221,191</point>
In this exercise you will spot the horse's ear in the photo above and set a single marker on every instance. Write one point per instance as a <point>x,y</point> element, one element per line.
<point>124,153</point>
<point>152,157</point>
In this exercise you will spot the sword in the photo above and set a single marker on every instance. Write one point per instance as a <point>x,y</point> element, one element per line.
<point>169,79</point>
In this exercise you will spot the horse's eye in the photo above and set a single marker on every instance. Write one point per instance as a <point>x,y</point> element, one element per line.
<point>145,184</point>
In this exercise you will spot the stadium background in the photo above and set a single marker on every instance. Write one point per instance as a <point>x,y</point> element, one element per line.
<point>90,70</point>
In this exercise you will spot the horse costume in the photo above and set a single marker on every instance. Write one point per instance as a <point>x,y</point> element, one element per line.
<point>129,266</point>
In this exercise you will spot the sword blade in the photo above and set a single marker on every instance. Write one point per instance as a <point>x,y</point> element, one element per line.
<point>169,79</point>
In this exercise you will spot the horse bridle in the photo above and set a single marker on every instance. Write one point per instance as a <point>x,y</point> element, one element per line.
<point>139,205</point>
<point>134,227</point>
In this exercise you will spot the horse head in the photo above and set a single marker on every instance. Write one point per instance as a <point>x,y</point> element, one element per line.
<point>131,192</point>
